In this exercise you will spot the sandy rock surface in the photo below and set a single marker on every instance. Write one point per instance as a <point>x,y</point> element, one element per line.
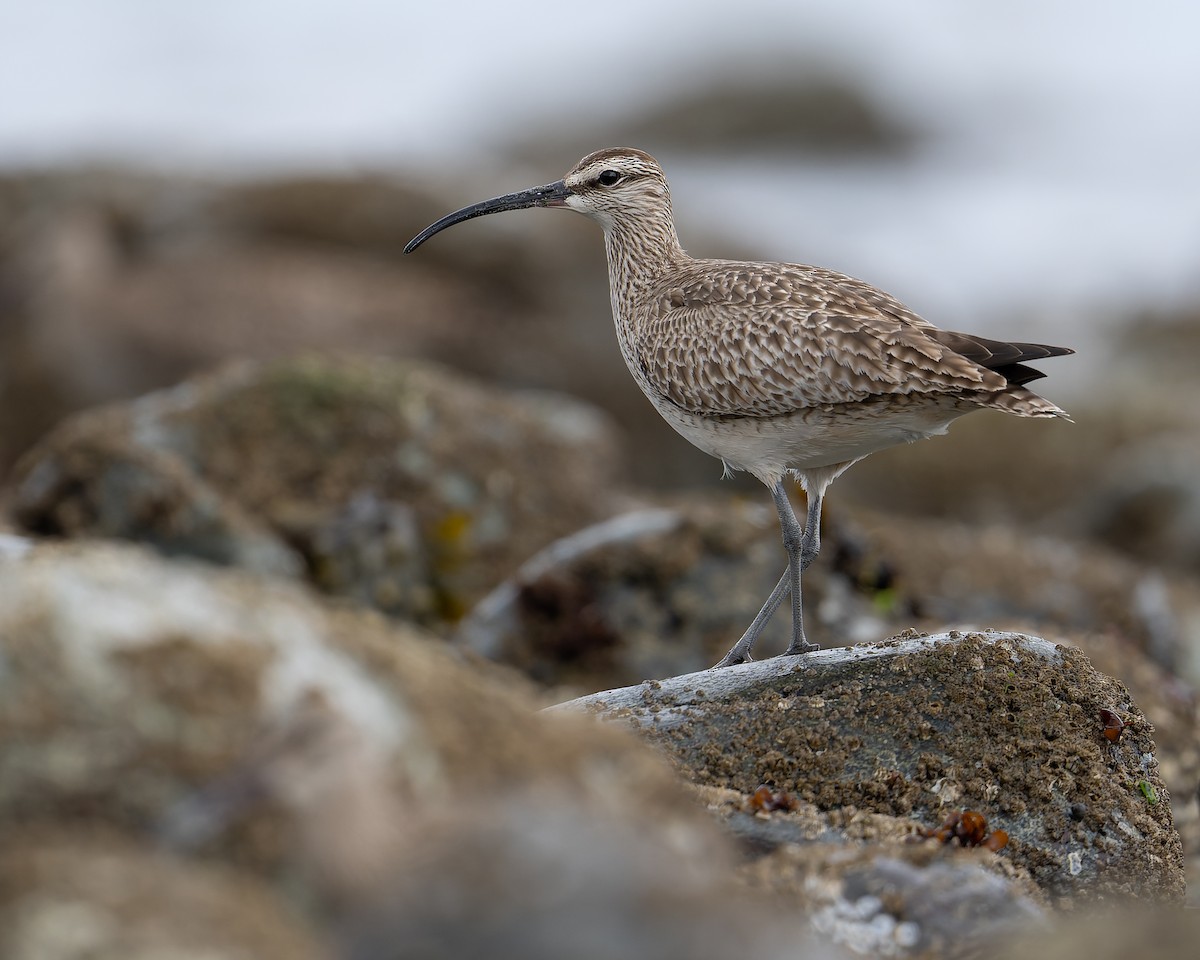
<point>1006,725</point>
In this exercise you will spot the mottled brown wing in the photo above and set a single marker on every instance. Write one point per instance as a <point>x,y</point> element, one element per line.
<point>760,340</point>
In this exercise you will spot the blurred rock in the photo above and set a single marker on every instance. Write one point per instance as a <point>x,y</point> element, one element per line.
<point>990,468</point>
<point>130,682</point>
<point>654,593</point>
<point>1123,473</point>
<point>668,591</point>
<point>907,901</point>
<point>401,485</point>
<point>1003,724</point>
<point>538,878</point>
<point>78,893</point>
<point>361,772</point>
<point>1152,353</point>
<point>1147,501</point>
<point>800,111</point>
<point>1118,932</point>
<point>116,283</point>
<point>1004,576</point>
<point>870,882</point>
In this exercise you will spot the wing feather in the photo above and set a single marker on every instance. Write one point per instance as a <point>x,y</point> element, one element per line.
<point>732,339</point>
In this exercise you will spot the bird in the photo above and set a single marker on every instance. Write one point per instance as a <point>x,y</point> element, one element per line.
<point>781,370</point>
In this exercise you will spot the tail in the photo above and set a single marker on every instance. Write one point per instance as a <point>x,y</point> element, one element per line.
<point>1009,360</point>
<point>1021,402</point>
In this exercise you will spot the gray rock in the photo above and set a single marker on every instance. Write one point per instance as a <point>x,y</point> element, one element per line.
<point>652,593</point>
<point>1118,931</point>
<point>211,722</point>
<point>71,893</point>
<point>399,484</point>
<point>538,878</point>
<point>667,591</point>
<point>883,901</point>
<point>1003,724</point>
<point>867,882</point>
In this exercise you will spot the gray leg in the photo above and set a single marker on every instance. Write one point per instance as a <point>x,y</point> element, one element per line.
<point>800,557</point>
<point>797,543</point>
<point>809,545</point>
<point>741,650</point>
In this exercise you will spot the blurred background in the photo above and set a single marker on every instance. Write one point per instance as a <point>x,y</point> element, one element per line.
<point>180,184</point>
<point>187,184</point>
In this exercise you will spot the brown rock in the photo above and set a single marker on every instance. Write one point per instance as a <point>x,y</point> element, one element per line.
<point>1003,724</point>
<point>81,893</point>
<point>1118,932</point>
<point>376,781</point>
<point>401,485</point>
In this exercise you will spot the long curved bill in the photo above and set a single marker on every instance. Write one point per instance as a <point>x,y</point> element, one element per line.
<point>550,195</point>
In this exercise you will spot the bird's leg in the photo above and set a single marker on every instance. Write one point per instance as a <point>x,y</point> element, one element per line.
<point>809,546</point>
<point>799,559</point>
<point>741,650</point>
<point>795,540</point>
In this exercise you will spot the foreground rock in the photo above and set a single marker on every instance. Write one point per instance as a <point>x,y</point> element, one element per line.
<point>1003,724</point>
<point>399,484</point>
<point>225,764</point>
<point>73,893</point>
<point>1118,933</point>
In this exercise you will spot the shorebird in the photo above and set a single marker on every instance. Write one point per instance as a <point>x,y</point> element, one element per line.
<point>777,369</point>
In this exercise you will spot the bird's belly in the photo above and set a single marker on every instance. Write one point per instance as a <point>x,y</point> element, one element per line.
<point>811,438</point>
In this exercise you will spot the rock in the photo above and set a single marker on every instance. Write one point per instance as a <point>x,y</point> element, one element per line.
<point>657,592</point>
<point>868,882</point>
<point>116,283</point>
<point>1117,932</point>
<point>806,111</point>
<point>12,546</point>
<point>74,893</point>
<point>902,901</point>
<point>206,723</point>
<point>538,878</point>
<point>1147,501</point>
<point>131,683</point>
<point>1003,575</point>
<point>398,484</point>
<point>653,593</point>
<point>634,598</point>
<point>1003,724</point>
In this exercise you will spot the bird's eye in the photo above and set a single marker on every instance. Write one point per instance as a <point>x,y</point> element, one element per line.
<point>608,177</point>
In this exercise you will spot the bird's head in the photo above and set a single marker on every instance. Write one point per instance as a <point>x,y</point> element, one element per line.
<point>613,186</point>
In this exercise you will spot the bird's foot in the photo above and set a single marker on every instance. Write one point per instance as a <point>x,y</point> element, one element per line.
<point>798,647</point>
<point>733,657</point>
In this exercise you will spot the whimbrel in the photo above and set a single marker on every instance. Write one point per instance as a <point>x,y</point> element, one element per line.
<point>777,369</point>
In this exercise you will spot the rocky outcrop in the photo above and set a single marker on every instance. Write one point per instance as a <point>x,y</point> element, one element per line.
<point>1023,731</point>
<point>224,761</point>
<point>401,485</point>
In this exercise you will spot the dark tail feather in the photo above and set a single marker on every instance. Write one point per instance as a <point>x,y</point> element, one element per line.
<point>1005,358</point>
<point>1017,373</point>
